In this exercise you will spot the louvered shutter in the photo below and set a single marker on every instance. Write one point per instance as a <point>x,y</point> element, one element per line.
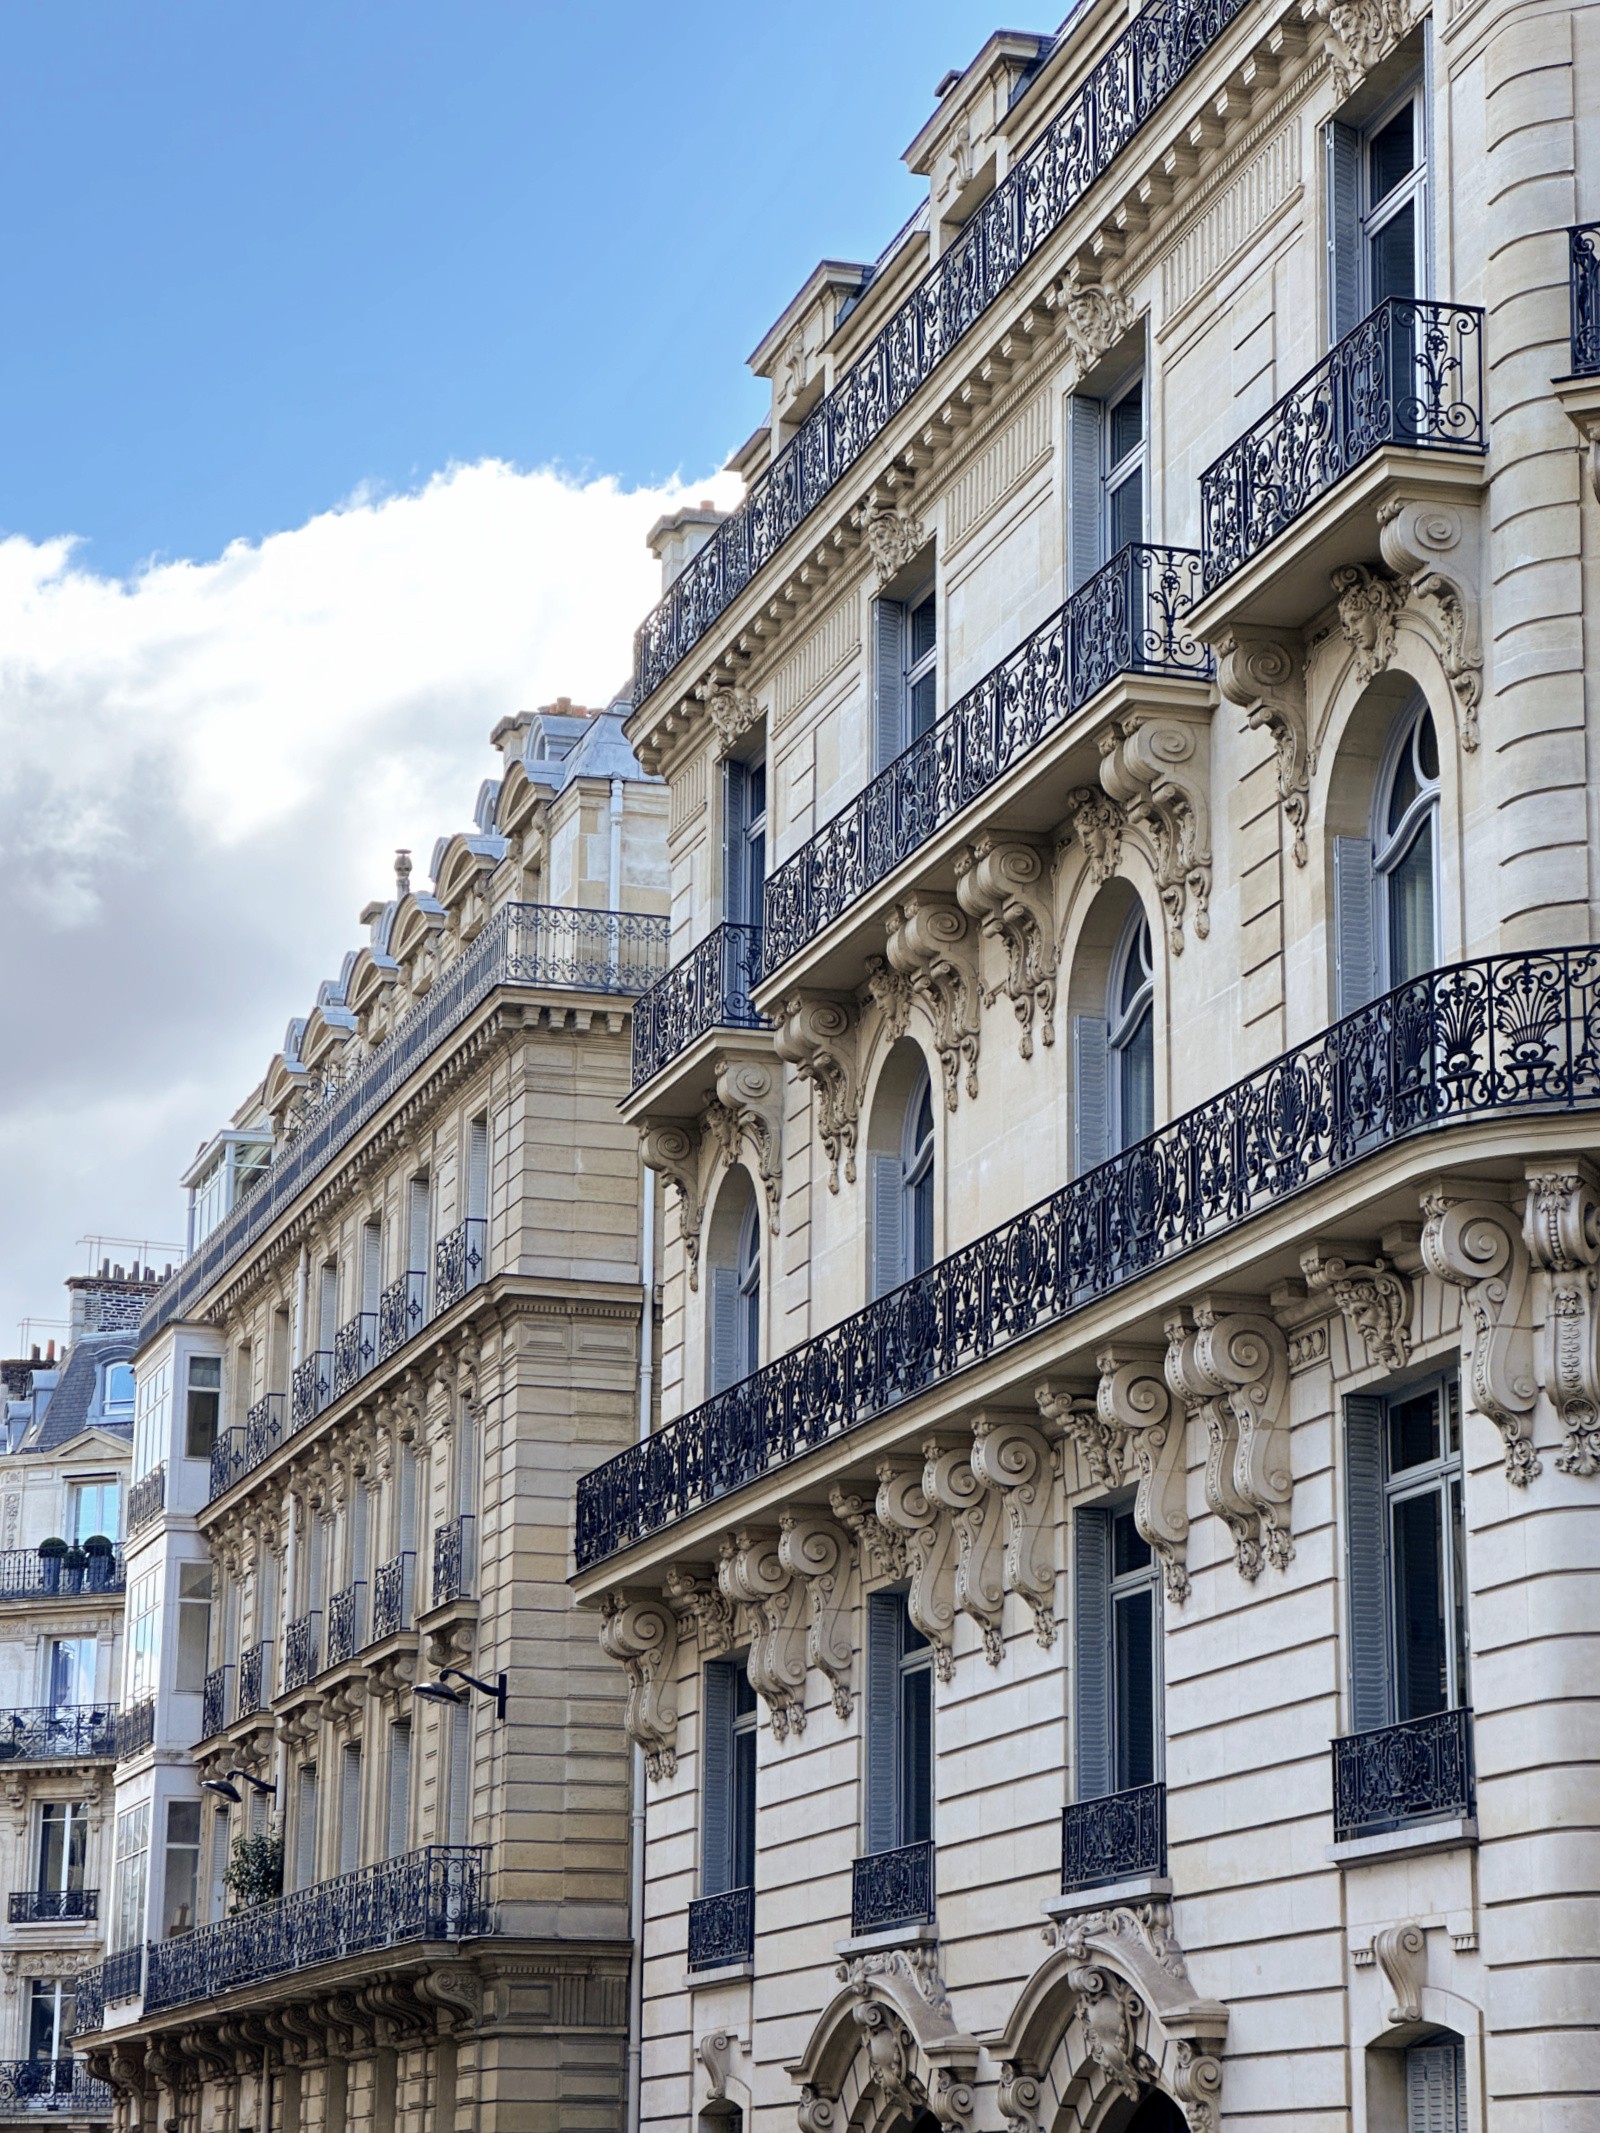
<point>885,1613</point>
<point>418,1210</point>
<point>888,1224</point>
<point>408,1500</point>
<point>371,1265</point>
<point>1091,1608</point>
<point>350,1810</point>
<point>735,828</point>
<point>724,1327</point>
<point>478,1169</point>
<point>460,1827</point>
<point>1091,1123</point>
<point>1355,938</point>
<point>399,1787</point>
<point>1085,535</point>
<point>1343,152</point>
<point>1370,1672</point>
<point>888,681</point>
<point>1436,2089</point>
<point>305,1827</point>
<point>716,1782</point>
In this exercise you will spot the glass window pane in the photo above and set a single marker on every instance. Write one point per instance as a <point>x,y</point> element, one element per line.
<point>1393,249</point>
<point>1136,1066</point>
<point>1462,1686</point>
<point>744,1809</point>
<point>53,1845</point>
<point>1410,887</point>
<point>1127,426</point>
<point>1129,1549</point>
<point>1127,511</point>
<point>1133,1635</point>
<point>1421,1678</point>
<point>923,703</point>
<point>1427,748</point>
<point>1391,155</point>
<point>924,624</point>
<point>1414,1431</point>
<point>916,1756</point>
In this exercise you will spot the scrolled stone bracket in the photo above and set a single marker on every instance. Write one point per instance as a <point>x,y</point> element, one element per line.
<point>1477,1245</point>
<point>1010,1456</point>
<point>1561,1228</point>
<point>1004,883</point>
<point>1434,548</point>
<point>817,1554</point>
<point>818,1034</point>
<point>1158,770</point>
<point>1230,1367</point>
<point>1373,1298</point>
<point>931,1550</point>
<point>674,1152</point>
<point>931,946</point>
<point>1135,1400</point>
<point>640,1631</point>
<point>1263,672</point>
<point>747,1111</point>
<point>949,1480</point>
<point>753,1574</point>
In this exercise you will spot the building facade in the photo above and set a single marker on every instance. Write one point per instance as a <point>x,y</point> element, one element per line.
<point>371,1825</point>
<point>1108,1612</point>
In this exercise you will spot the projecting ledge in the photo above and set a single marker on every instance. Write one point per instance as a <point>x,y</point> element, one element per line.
<point>921,1933</point>
<point>1138,1888</point>
<point>1443,1836</point>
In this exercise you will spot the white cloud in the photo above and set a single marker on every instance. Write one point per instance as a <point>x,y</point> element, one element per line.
<point>204,772</point>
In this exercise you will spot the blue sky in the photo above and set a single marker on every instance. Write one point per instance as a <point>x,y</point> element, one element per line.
<point>257,256</point>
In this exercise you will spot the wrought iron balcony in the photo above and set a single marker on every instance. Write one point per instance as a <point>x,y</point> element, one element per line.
<point>62,2085</point>
<point>345,1620</point>
<point>453,1566</point>
<point>707,989</point>
<point>541,947</point>
<point>1585,277</point>
<point>135,1729</point>
<point>1114,1838</point>
<point>302,1651</point>
<point>56,1732</point>
<point>892,1889</point>
<point>214,1701</point>
<point>460,1262</point>
<point>1410,374</point>
<point>255,1679</point>
<point>147,1497</point>
<point>1130,618</point>
<point>37,1907</point>
<point>392,1596</point>
<point>1121,92</point>
<point>25,1573</point>
<point>1420,1771</point>
<point>402,1311</point>
<point>722,1929</point>
<point>1508,1034</point>
<point>438,1893</point>
<point>238,1452</point>
<point>122,1976</point>
<point>355,1350</point>
<point>310,1388</point>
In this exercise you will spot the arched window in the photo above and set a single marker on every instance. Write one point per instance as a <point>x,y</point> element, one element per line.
<point>1113,1038</point>
<point>1386,886</point>
<point>119,1386</point>
<point>1130,1035</point>
<point>902,1194</point>
<point>734,1317</point>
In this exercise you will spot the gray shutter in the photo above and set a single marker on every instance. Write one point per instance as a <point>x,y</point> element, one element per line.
<point>399,1787</point>
<point>417,1226</point>
<point>1436,2089</point>
<point>1370,1703</point>
<point>1091,1614</point>
<point>716,1779</point>
<point>460,1827</point>
<point>1091,1124</point>
<point>1355,964</point>
<point>1344,229</point>
<point>305,1827</point>
<point>371,1265</point>
<point>1085,534</point>
<point>724,1327</point>
<point>735,824</point>
<point>888,681</point>
<point>888,1224</point>
<point>885,1611</point>
<point>478,1168</point>
<point>350,1810</point>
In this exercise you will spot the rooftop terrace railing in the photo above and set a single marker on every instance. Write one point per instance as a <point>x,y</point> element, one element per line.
<point>536,945</point>
<point>1584,240</point>
<point>1146,63</point>
<point>1510,1033</point>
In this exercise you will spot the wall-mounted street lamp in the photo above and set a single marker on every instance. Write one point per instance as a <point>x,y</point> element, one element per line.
<point>438,1692</point>
<point>225,1790</point>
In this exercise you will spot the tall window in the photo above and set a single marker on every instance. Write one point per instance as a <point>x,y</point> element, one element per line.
<point>203,1408</point>
<point>899,1727</point>
<point>94,1507</point>
<point>130,1871</point>
<point>182,1875</point>
<point>371,1265</point>
<point>735,1303</point>
<point>1106,454</point>
<point>305,1826</point>
<point>1114,1063</point>
<point>1386,886</point>
<point>478,1169</point>
<point>327,1305</point>
<point>399,1802</point>
<point>728,1785</point>
<point>144,1636</point>
<point>902,1195</point>
<point>152,1418</point>
<point>349,1807</point>
<point>1117,1610</point>
<point>1408,1586</point>
<point>50,2018</point>
<point>1377,195</point>
<point>71,1670</point>
<point>905,677</point>
<point>419,1223</point>
<point>63,1846</point>
<point>194,1625</point>
<point>744,831</point>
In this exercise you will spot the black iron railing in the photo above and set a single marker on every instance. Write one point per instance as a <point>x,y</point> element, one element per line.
<point>52,2085</point>
<point>892,1888</point>
<point>1420,1771</point>
<point>122,1975</point>
<point>134,1730</point>
<point>346,1612</point>
<point>214,1701</point>
<point>392,1595</point>
<point>35,1907</point>
<point>240,1451</point>
<point>540,946</point>
<point>355,1350</point>
<point>707,989</point>
<point>1512,1033</point>
<point>147,1497</point>
<point>255,1679</point>
<point>1410,374</point>
<point>1585,276</point>
<point>453,1566</point>
<point>302,1650</point>
<point>310,1387</point>
<point>1130,618</point>
<point>722,1929</point>
<point>460,1262</point>
<point>1115,1838</point>
<point>402,1311</point>
<point>52,1731</point>
<point>1097,122</point>
<point>438,1893</point>
<point>88,2002</point>
<point>25,1573</point>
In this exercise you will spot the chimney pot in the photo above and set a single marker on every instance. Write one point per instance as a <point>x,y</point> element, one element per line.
<point>34,1357</point>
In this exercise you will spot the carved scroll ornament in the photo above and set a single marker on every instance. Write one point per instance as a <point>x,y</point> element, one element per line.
<point>818,1035</point>
<point>1561,1227</point>
<point>1135,1399</point>
<point>641,1632</point>
<point>1478,1246</point>
<point>1004,883</point>
<point>1231,1368</point>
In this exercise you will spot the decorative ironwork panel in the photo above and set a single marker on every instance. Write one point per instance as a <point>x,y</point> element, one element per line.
<point>31,1907</point>
<point>722,1929</point>
<point>56,1731</point>
<point>122,1975</point>
<point>147,1497</point>
<point>707,989</point>
<point>452,1559</point>
<point>1511,1033</point>
<point>214,1701</point>
<point>25,1573</point>
<point>302,1650</point>
<point>402,1311</point>
<point>392,1588</point>
<point>1410,374</point>
<point>892,1888</point>
<point>1097,123</point>
<point>255,1679</point>
<point>134,1730</point>
<point>1114,1838</point>
<point>1585,243</point>
<point>460,1262</point>
<point>310,1388</point>
<point>355,1350</point>
<point>1414,1772</point>
<point>52,2085</point>
<point>1130,618</point>
<point>88,2002</point>
<point>345,1611</point>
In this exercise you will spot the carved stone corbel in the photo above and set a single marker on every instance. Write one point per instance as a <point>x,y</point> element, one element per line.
<point>1078,1419</point>
<point>814,1551</point>
<point>1010,1456</point>
<point>1561,1228</point>
<point>948,1479</point>
<point>1020,2098</point>
<point>752,1572</point>
<point>699,1598</point>
<point>1004,883</point>
<point>1363,32</point>
<point>818,1033</point>
<point>888,2048</point>
<point>931,945</point>
<point>1434,548</point>
<point>885,1547</point>
<point>1094,824</point>
<point>640,1631</point>
<point>1374,1299</point>
<point>1263,672</point>
<point>674,1151</point>
<point>1158,770</point>
<point>931,1548</point>
<point>1135,1400</point>
<point>1369,604</point>
<point>1094,316</point>
<point>1402,1955</point>
<point>733,710</point>
<point>715,2053</point>
<point>1231,1368</point>
<point>1478,1246</point>
<point>748,1108</point>
<point>893,533</point>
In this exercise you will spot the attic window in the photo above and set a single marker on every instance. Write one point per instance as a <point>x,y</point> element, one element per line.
<point>119,1387</point>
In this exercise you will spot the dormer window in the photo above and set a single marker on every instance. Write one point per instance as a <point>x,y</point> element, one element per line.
<point>118,1397</point>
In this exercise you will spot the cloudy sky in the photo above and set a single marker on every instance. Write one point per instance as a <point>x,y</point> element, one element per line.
<point>352,347</point>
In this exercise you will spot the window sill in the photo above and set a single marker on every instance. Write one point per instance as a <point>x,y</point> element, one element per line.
<point>1447,1836</point>
<point>718,1974</point>
<point>916,1935</point>
<point>1139,1888</point>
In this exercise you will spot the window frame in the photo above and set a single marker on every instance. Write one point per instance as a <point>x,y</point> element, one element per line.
<point>1124,1023</point>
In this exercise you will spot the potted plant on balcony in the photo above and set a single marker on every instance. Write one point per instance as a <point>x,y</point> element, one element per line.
<point>102,1554</point>
<point>254,1873</point>
<point>73,1564</point>
<point>51,1554</point>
